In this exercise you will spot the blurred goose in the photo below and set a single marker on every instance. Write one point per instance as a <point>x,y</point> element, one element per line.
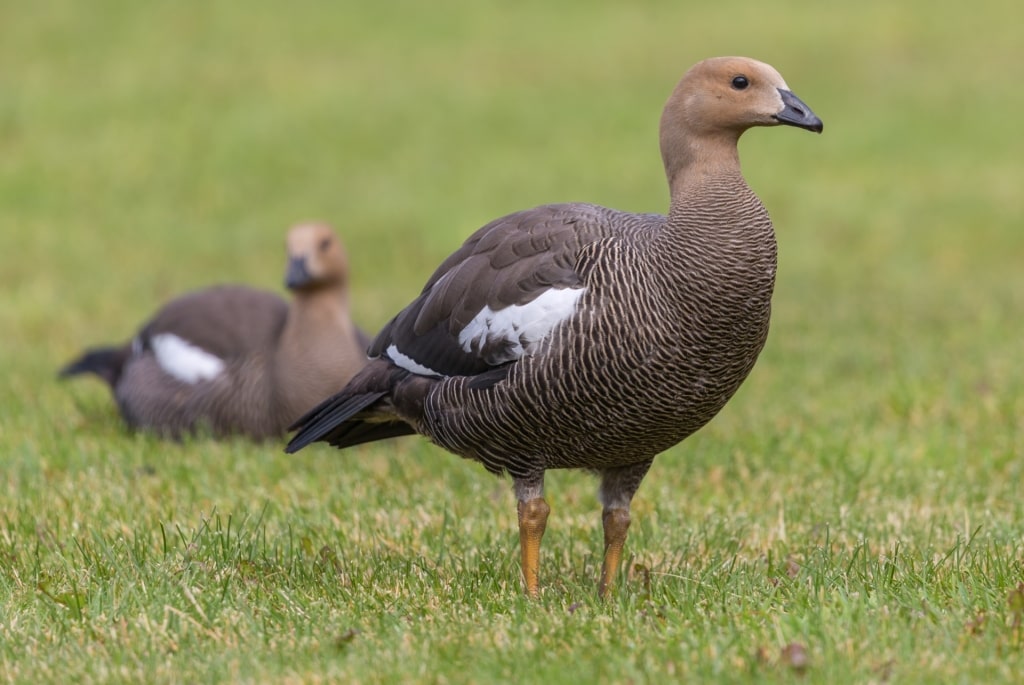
<point>576,336</point>
<point>235,360</point>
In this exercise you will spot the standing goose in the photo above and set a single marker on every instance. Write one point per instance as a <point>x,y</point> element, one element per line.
<point>235,360</point>
<point>576,336</point>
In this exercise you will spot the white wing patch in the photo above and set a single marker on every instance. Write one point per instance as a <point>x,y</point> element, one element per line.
<point>408,363</point>
<point>520,326</point>
<point>183,360</point>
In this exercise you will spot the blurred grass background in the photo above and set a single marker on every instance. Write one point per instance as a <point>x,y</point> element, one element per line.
<point>151,148</point>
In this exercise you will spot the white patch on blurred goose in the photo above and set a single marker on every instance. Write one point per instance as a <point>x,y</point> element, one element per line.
<point>522,326</point>
<point>183,360</point>
<point>408,363</point>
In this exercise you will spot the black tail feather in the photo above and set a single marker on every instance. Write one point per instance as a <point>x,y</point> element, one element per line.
<point>321,422</point>
<point>357,432</point>
<point>357,414</point>
<point>105,362</point>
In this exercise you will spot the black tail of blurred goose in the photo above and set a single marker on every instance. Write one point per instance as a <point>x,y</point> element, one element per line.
<point>575,336</point>
<point>232,360</point>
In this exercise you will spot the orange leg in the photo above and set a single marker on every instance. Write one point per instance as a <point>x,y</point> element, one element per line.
<point>533,519</point>
<point>616,524</point>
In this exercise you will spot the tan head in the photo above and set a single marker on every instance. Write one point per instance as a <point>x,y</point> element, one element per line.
<point>316,258</point>
<point>720,98</point>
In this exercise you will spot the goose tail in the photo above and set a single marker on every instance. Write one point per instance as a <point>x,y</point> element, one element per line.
<point>105,362</point>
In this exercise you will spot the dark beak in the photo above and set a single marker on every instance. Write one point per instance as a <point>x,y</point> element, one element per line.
<point>796,113</point>
<point>297,275</point>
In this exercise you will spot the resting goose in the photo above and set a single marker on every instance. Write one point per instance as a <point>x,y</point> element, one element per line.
<point>576,336</point>
<point>232,360</point>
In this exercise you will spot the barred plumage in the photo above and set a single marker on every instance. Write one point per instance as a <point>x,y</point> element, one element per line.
<point>667,316</point>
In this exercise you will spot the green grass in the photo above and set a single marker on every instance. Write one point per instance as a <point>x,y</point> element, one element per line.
<point>859,499</point>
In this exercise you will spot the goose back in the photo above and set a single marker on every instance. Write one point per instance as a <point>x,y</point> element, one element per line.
<point>237,325</point>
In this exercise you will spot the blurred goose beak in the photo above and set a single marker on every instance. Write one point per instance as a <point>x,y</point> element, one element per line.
<point>298,274</point>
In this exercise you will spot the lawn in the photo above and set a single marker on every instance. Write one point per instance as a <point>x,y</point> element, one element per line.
<point>854,515</point>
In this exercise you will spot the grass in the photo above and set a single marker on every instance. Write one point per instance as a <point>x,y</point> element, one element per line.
<point>854,515</point>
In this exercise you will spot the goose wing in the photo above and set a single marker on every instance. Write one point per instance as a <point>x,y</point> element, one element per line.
<point>497,297</point>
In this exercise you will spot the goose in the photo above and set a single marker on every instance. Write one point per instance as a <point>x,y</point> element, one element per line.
<point>233,360</point>
<point>573,336</point>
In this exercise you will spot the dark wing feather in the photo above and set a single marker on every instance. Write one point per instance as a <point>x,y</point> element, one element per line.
<point>510,261</point>
<point>228,321</point>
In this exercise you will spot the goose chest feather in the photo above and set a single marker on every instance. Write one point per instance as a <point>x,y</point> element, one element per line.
<point>576,336</point>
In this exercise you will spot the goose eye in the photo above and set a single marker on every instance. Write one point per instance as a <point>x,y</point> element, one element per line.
<point>324,244</point>
<point>740,82</point>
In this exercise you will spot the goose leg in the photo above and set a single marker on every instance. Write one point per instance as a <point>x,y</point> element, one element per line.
<point>617,489</point>
<point>616,524</point>
<point>533,519</point>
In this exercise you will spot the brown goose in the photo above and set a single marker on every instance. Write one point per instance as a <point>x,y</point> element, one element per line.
<point>235,360</point>
<point>575,336</point>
